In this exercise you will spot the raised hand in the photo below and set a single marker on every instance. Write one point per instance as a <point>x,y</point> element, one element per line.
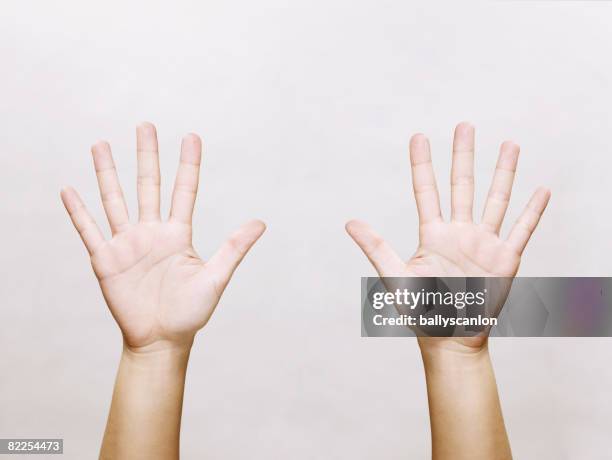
<point>459,247</point>
<point>157,287</point>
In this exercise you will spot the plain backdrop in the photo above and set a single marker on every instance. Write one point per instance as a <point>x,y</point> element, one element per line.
<point>305,109</point>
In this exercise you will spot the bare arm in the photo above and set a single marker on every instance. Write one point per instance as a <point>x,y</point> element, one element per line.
<point>464,407</point>
<point>157,288</point>
<point>145,416</point>
<point>464,410</point>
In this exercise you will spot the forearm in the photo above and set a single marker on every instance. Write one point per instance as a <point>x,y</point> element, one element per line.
<point>464,407</point>
<point>145,415</point>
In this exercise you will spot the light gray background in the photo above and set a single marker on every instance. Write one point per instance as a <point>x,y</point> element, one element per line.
<point>306,110</point>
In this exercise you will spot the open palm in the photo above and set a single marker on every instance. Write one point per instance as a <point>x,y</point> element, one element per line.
<point>157,287</point>
<point>459,247</point>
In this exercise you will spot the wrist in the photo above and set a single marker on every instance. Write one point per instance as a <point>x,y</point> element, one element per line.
<point>453,353</point>
<point>160,346</point>
<point>157,356</point>
<point>454,345</point>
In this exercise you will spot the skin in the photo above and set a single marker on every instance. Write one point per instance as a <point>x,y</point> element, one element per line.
<point>466,423</point>
<point>157,288</point>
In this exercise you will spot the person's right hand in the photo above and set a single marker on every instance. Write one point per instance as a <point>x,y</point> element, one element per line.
<point>157,287</point>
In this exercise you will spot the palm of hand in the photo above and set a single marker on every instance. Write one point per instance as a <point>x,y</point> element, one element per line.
<point>460,247</point>
<point>450,249</point>
<point>156,286</point>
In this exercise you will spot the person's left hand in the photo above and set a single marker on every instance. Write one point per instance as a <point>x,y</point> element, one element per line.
<point>459,247</point>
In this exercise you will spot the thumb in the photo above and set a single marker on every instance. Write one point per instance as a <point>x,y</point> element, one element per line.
<point>227,258</point>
